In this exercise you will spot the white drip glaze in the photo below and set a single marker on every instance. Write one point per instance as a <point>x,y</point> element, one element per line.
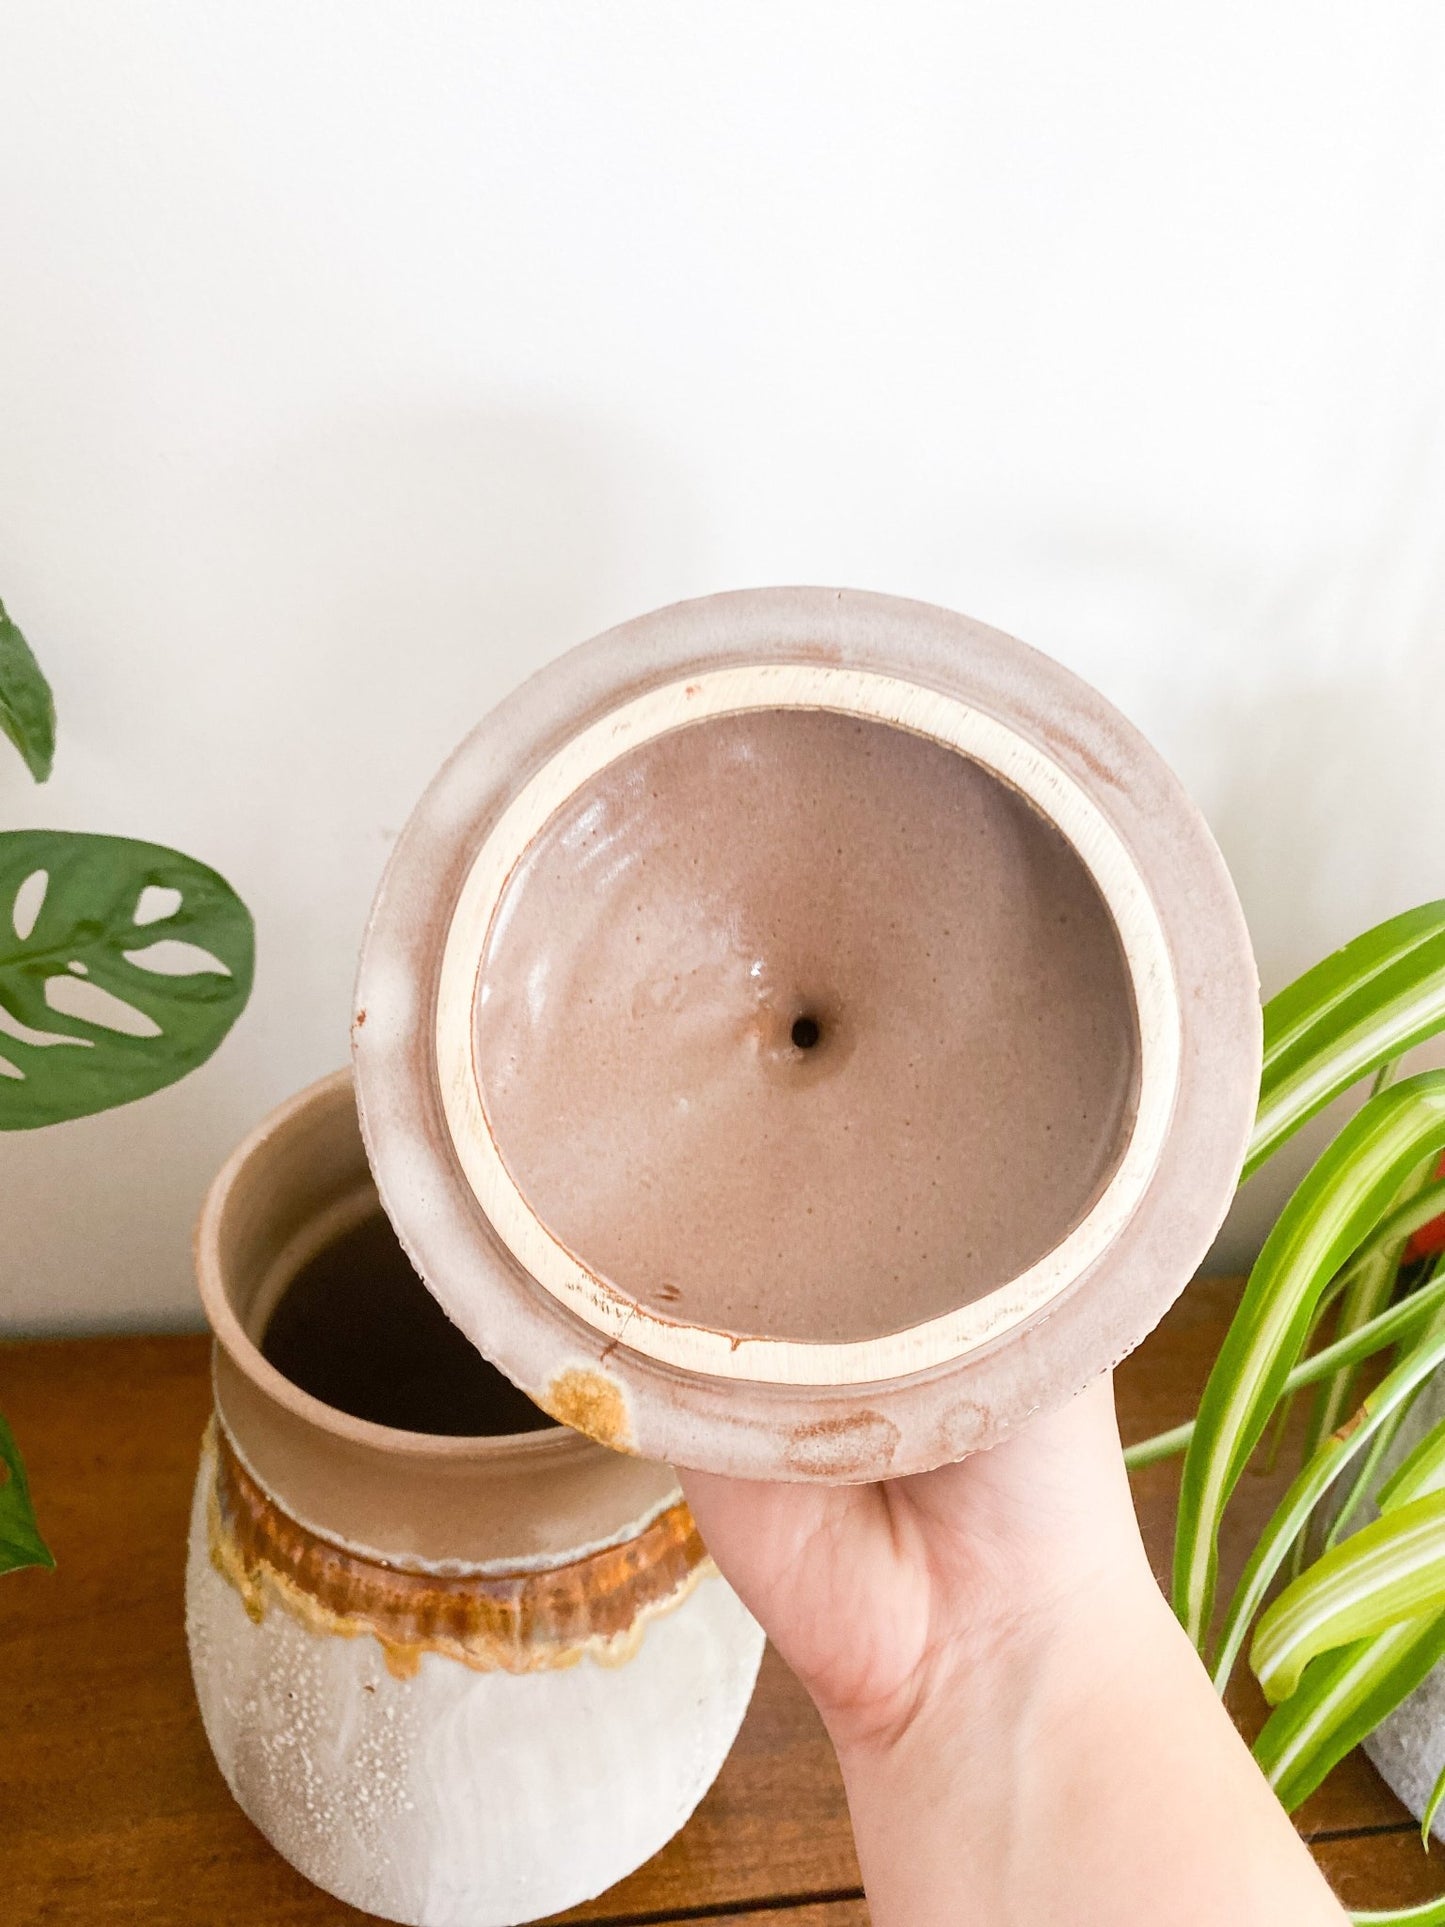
<point>459,1798</point>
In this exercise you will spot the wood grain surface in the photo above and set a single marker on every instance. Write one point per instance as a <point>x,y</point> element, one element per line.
<point>112,1813</point>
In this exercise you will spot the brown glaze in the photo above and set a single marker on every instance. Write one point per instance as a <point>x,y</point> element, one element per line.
<point>591,1402</point>
<point>858,1447</point>
<point>417,1500</point>
<point>519,1620</point>
<point>796,1023</point>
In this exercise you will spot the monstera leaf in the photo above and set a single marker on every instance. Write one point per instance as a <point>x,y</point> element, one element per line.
<point>27,708</point>
<point>20,1541</point>
<point>122,966</point>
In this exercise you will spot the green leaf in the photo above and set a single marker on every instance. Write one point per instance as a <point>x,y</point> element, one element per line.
<point>96,1007</point>
<point>1390,1572</point>
<point>20,1540</point>
<point>1398,1321</point>
<point>1432,1807</point>
<point>1390,1398</point>
<point>1369,1002</point>
<point>1340,1701</point>
<point>1372,1273</point>
<point>1162,1445</point>
<point>1368,1474</point>
<point>1367,1479</point>
<point>1341,1200</point>
<point>1422,1470</point>
<point>27,708</point>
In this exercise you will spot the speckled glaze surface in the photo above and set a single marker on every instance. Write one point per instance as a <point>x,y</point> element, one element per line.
<point>986,1173</point>
<point>458,1682</point>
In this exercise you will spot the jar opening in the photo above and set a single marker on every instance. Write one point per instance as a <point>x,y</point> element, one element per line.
<point>357,1329</point>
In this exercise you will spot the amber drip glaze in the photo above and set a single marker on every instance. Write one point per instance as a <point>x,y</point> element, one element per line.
<point>518,1621</point>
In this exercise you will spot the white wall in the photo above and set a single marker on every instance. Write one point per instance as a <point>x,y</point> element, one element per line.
<point>356,358</point>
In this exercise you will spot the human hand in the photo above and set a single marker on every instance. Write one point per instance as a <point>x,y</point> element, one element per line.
<point>1026,1735</point>
<point>878,1595</point>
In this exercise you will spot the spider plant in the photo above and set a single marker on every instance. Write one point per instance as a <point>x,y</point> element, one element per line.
<point>1360,1619</point>
<point>122,966</point>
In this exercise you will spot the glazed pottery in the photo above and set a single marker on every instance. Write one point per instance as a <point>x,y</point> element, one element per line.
<point>456,1681</point>
<point>801,1034</point>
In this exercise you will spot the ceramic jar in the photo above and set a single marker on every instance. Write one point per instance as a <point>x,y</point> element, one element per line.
<point>800,1035</point>
<point>457,1682</point>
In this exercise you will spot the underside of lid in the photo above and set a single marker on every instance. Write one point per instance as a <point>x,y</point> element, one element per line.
<point>791,1024</point>
<point>780,1026</point>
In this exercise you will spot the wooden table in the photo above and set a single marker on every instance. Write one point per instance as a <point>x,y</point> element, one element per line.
<point>113,1815</point>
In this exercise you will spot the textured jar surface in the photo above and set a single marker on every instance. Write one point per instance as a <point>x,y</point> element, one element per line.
<point>455,1680</point>
<point>460,1750</point>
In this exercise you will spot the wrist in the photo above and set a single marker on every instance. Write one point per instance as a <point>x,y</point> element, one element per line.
<point>1024,1774</point>
<point>999,1750</point>
<point>1038,1658</point>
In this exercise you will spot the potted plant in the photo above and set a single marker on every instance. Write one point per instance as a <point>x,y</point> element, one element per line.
<point>1351,1273</point>
<point>122,966</point>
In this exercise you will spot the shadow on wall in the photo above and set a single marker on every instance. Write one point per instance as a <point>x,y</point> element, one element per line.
<point>1324,816</point>
<point>324,623</point>
<point>1320,813</point>
<point>1302,706</point>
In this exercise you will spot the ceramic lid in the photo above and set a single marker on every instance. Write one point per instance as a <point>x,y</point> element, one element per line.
<point>802,1033</point>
